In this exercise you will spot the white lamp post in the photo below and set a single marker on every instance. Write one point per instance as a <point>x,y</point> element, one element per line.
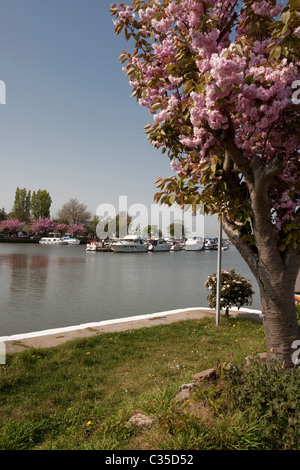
<point>219,273</point>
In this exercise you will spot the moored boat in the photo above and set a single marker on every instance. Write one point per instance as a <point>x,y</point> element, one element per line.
<point>71,240</point>
<point>130,244</point>
<point>53,241</point>
<point>97,245</point>
<point>93,245</point>
<point>158,244</point>
<point>194,244</point>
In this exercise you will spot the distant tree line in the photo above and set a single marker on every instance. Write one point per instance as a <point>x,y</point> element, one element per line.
<point>31,213</point>
<point>28,205</point>
<point>32,209</point>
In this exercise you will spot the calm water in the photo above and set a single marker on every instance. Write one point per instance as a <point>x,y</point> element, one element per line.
<point>46,287</point>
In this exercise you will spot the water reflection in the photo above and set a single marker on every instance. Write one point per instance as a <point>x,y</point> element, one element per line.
<point>28,278</point>
<point>31,288</point>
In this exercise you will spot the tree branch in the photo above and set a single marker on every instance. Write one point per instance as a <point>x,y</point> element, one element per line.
<point>227,27</point>
<point>238,159</point>
<point>247,250</point>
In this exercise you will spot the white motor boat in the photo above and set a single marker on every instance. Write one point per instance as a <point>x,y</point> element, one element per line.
<point>130,244</point>
<point>93,245</point>
<point>71,240</point>
<point>159,244</point>
<point>53,241</point>
<point>194,244</point>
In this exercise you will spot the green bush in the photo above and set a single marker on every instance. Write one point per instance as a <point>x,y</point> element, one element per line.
<point>298,313</point>
<point>273,393</point>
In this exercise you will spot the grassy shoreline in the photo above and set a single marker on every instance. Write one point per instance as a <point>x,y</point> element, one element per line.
<point>80,395</point>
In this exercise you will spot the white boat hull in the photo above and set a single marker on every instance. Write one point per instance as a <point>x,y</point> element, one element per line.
<point>159,248</point>
<point>158,244</point>
<point>130,244</point>
<point>119,248</point>
<point>71,241</point>
<point>53,241</point>
<point>92,246</point>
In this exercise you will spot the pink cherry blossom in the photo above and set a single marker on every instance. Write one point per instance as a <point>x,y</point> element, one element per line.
<point>43,226</point>
<point>249,91</point>
<point>11,225</point>
<point>76,228</point>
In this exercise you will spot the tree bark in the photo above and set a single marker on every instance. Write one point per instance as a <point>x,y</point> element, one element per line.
<point>280,324</point>
<point>276,280</point>
<point>274,271</point>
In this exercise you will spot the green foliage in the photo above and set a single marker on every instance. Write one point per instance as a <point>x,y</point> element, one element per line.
<point>3,214</point>
<point>40,204</point>
<point>92,228</point>
<point>298,313</point>
<point>22,204</point>
<point>23,436</point>
<point>273,394</point>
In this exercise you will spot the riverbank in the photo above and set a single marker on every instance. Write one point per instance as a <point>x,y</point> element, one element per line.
<point>58,336</point>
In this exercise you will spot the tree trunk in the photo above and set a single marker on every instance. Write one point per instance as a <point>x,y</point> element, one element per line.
<point>276,276</point>
<point>279,317</point>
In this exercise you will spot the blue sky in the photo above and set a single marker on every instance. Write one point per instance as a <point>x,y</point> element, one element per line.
<point>69,124</point>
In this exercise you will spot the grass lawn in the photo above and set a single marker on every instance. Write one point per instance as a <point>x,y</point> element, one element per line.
<point>80,395</point>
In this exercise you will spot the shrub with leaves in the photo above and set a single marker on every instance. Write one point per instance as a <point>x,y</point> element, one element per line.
<point>235,290</point>
<point>273,393</point>
<point>298,313</point>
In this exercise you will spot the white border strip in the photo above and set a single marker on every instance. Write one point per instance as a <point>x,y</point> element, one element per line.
<point>109,322</point>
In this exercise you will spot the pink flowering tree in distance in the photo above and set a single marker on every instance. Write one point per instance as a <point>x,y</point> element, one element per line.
<point>75,229</point>
<point>62,228</point>
<point>12,225</point>
<point>43,226</point>
<point>220,79</point>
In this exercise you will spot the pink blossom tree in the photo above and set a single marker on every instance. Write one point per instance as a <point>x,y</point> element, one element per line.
<point>12,225</point>
<point>75,229</point>
<point>43,226</point>
<point>62,228</point>
<point>219,78</point>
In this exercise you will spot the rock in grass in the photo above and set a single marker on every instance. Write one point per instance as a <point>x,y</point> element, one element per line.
<point>208,374</point>
<point>140,419</point>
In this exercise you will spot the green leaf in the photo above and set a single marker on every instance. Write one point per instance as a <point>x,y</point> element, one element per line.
<point>188,88</point>
<point>277,52</point>
<point>284,29</point>
<point>239,49</point>
<point>172,198</point>
<point>285,17</point>
<point>156,106</point>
